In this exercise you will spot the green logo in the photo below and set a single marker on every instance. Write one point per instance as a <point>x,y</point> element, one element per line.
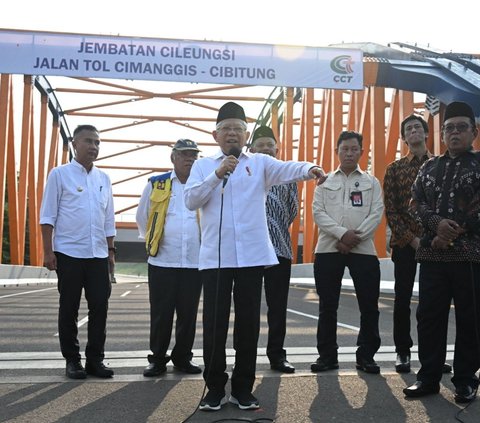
<point>342,65</point>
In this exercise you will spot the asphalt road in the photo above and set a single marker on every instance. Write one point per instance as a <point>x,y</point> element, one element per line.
<point>28,319</point>
<point>33,386</point>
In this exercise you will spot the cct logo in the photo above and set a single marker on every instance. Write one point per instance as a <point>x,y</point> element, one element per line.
<point>343,66</point>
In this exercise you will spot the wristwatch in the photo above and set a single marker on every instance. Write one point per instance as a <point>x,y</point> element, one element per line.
<point>114,249</point>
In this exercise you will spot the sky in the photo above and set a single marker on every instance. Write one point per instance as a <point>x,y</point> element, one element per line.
<point>300,22</point>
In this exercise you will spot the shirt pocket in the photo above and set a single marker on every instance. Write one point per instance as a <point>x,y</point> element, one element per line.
<point>333,198</point>
<point>360,213</point>
<point>102,197</point>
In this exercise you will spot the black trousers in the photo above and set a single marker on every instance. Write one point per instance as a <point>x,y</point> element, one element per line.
<point>439,283</point>
<point>328,272</point>
<point>173,290</point>
<point>277,283</point>
<point>246,284</point>
<point>92,275</point>
<point>405,268</point>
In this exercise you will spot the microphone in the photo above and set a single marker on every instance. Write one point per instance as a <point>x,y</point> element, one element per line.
<point>234,151</point>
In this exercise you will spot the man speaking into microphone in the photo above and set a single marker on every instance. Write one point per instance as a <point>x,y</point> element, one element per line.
<point>230,188</point>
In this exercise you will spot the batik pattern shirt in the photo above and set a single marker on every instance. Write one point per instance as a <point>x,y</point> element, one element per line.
<point>397,190</point>
<point>449,188</point>
<point>282,207</point>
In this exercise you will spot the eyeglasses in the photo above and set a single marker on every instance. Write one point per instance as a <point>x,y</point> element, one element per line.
<point>188,153</point>
<point>236,129</point>
<point>460,127</point>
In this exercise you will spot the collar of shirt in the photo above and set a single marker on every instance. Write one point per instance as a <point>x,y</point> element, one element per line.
<point>410,156</point>
<point>447,154</point>
<point>221,155</point>
<point>80,166</point>
<point>357,169</point>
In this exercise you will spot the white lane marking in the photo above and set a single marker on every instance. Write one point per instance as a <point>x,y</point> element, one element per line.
<point>311,316</point>
<point>125,293</point>
<point>131,359</point>
<point>26,292</point>
<point>82,322</point>
<point>137,286</point>
<point>79,324</point>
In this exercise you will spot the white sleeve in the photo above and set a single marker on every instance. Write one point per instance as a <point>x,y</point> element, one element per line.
<point>51,199</point>
<point>110,211</point>
<point>142,210</point>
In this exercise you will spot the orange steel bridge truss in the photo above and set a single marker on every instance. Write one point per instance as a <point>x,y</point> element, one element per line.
<point>33,140</point>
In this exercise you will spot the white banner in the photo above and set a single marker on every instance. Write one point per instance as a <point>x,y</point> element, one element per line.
<point>44,53</point>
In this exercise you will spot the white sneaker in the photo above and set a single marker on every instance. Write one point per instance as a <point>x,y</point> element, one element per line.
<point>245,401</point>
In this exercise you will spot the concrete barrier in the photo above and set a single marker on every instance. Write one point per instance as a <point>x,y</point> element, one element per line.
<point>386,270</point>
<point>298,271</point>
<point>10,271</point>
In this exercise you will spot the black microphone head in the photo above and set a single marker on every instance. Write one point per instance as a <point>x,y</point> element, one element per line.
<point>235,151</point>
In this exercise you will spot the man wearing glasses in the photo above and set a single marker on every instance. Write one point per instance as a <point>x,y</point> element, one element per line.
<point>230,188</point>
<point>172,237</point>
<point>446,199</point>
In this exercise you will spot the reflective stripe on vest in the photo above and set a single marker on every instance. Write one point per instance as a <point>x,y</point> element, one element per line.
<point>159,200</point>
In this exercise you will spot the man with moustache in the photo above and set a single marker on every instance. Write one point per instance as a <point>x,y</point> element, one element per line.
<point>172,237</point>
<point>230,188</point>
<point>446,200</point>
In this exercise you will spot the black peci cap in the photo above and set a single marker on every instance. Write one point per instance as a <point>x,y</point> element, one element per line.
<point>231,110</point>
<point>263,132</point>
<point>458,108</point>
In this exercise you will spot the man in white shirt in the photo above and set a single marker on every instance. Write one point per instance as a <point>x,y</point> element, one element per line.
<point>230,188</point>
<point>78,227</point>
<point>347,208</point>
<point>172,237</point>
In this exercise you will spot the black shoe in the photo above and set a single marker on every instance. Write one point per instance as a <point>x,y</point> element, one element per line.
<point>188,367</point>
<point>420,389</point>
<point>323,364</point>
<point>402,365</point>
<point>244,401</point>
<point>213,401</point>
<point>98,369</point>
<point>447,368</point>
<point>367,365</point>
<point>75,370</point>
<point>282,366</point>
<point>465,393</point>
<point>154,369</point>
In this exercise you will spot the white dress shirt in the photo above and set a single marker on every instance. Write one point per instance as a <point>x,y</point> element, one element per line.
<point>79,206</point>
<point>244,237</point>
<point>180,244</point>
<point>335,214</point>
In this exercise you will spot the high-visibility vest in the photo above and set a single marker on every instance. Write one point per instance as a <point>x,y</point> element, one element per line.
<point>159,200</point>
